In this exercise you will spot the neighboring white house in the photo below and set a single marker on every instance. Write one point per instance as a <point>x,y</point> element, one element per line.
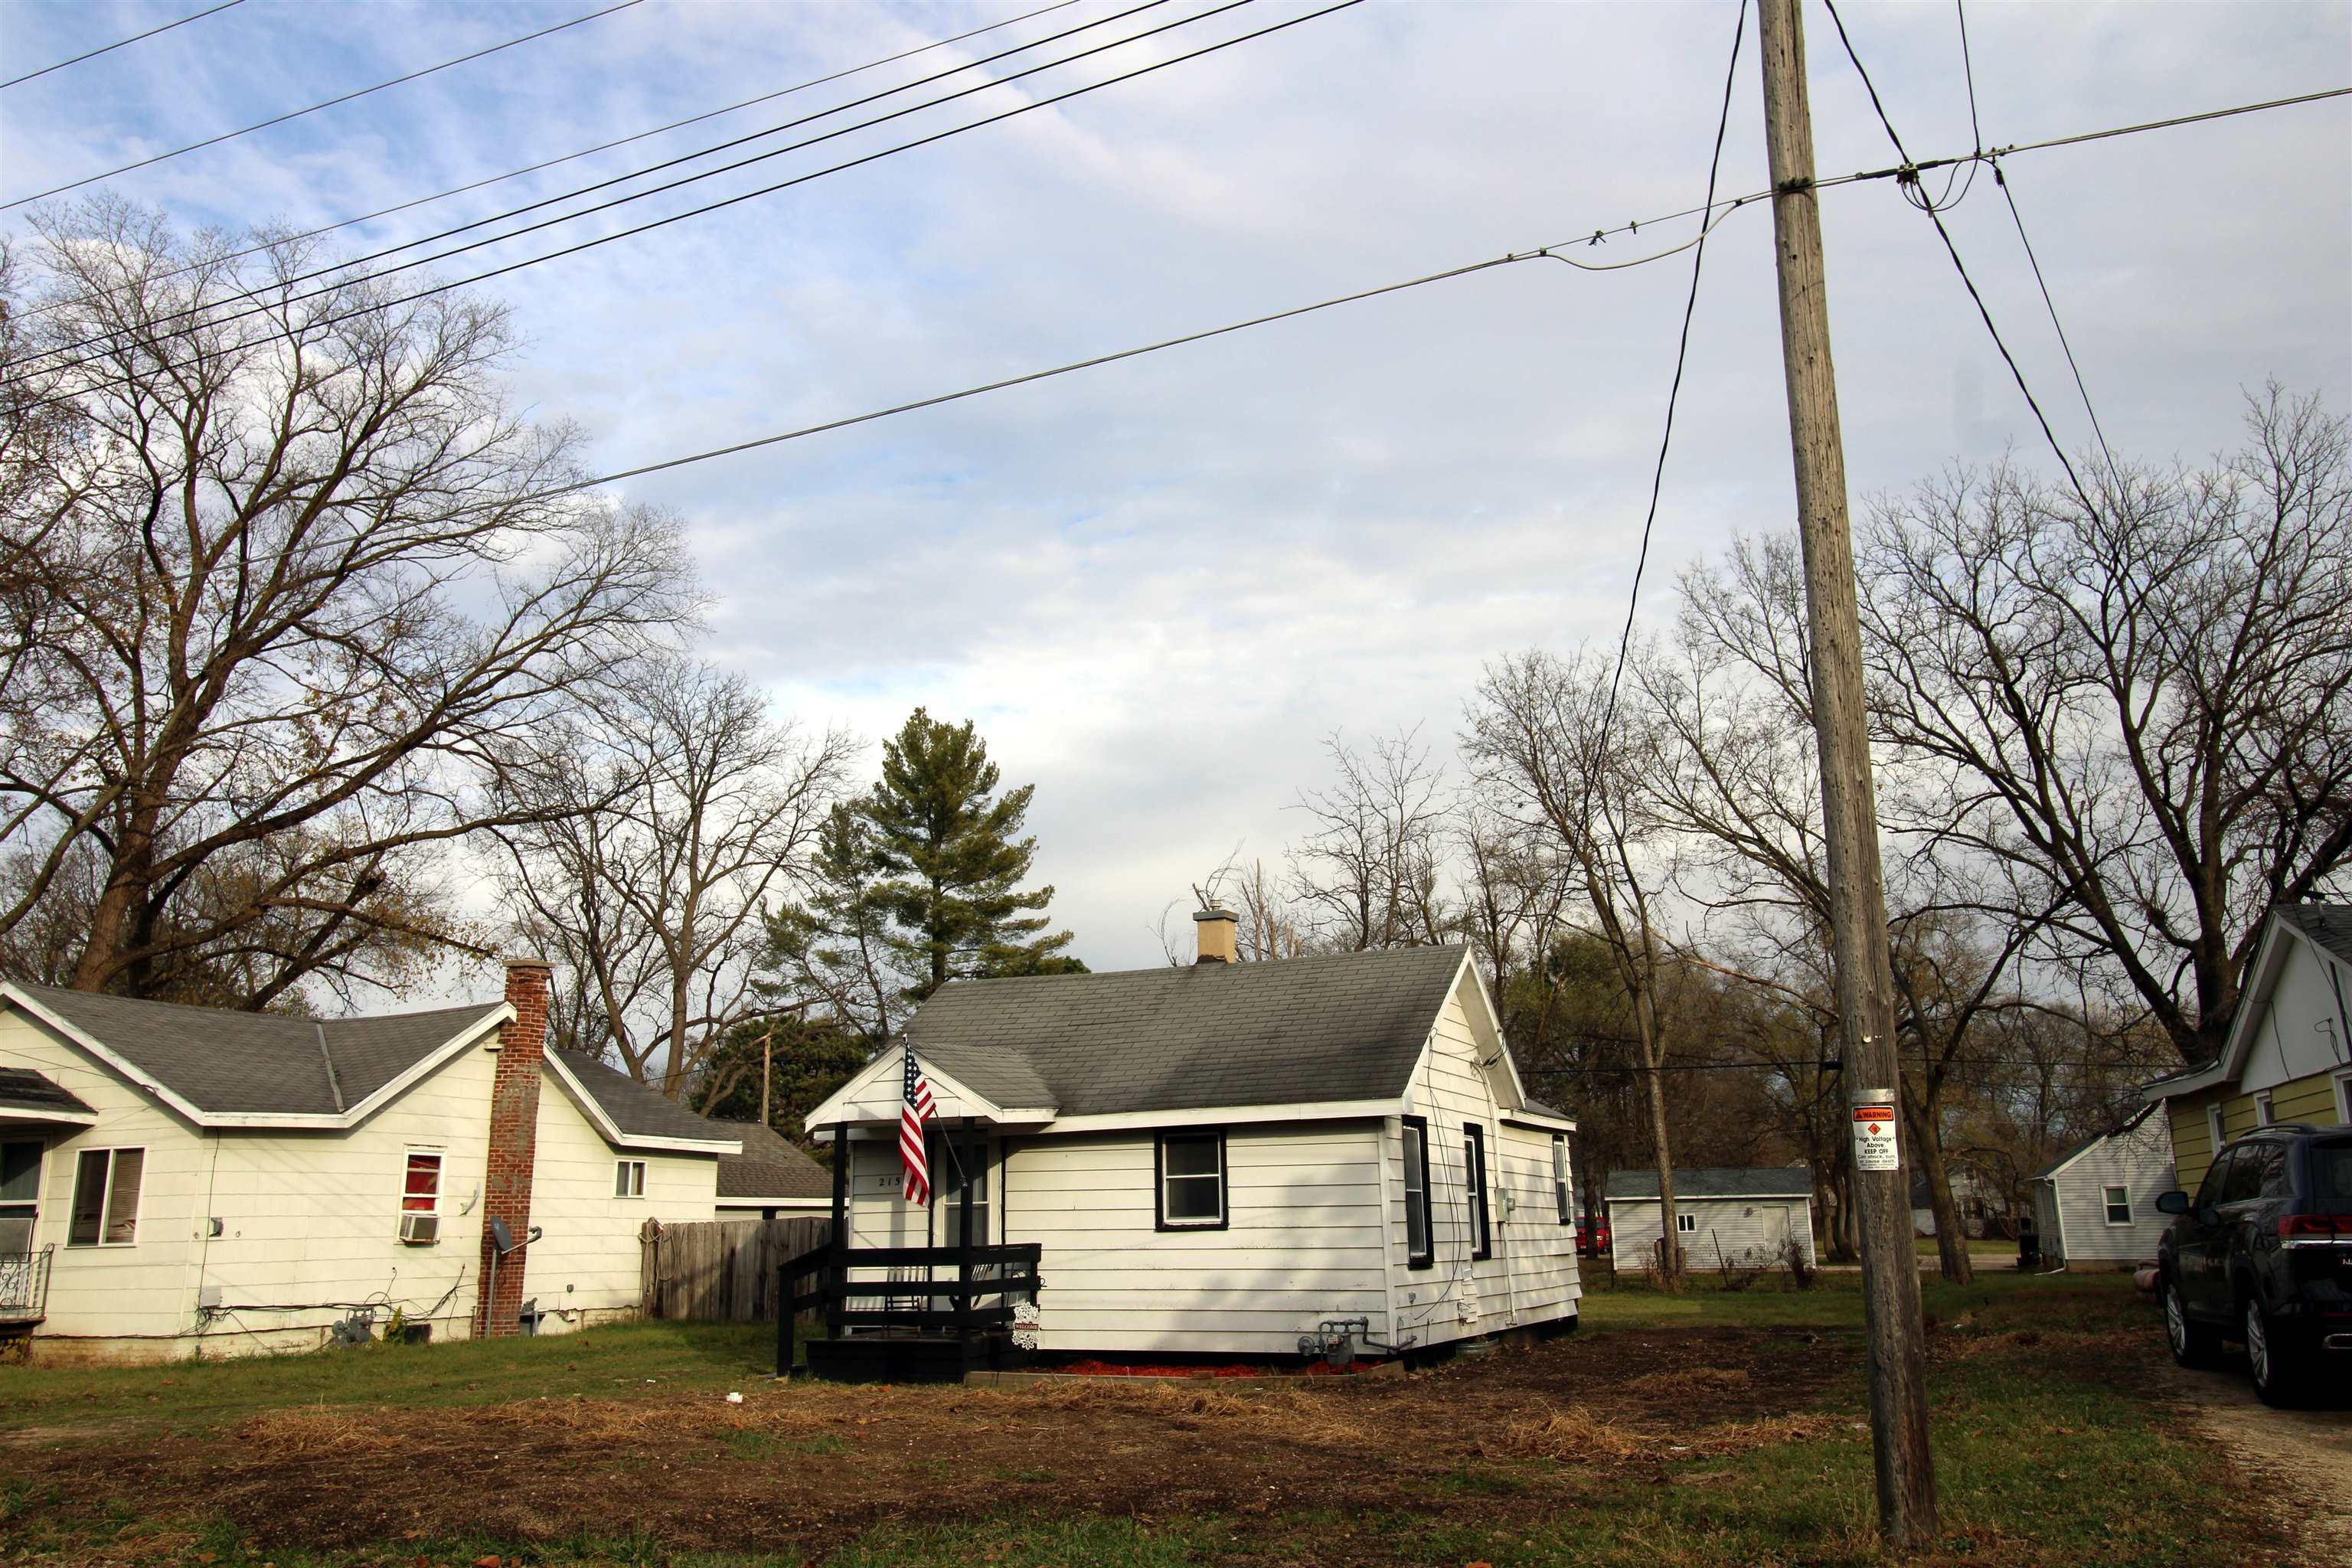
<point>1225,1158</point>
<point>186,1180</point>
<point>2096,1204</point>
<point>771,1179</point>
<point>1724,1215</point>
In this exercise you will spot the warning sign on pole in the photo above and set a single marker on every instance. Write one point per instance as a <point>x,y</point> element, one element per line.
<point>1874,1138</point>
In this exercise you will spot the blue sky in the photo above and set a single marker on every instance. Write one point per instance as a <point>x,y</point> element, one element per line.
<point>1157,585</point>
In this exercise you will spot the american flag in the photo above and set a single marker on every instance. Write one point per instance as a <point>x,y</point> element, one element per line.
<point>915,1108</point>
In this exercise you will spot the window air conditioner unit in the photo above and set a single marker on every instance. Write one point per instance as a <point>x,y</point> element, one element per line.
<point>420,1229</point>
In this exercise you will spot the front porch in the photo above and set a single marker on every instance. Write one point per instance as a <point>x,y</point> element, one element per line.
<point>906,1314</point>
<point>911,1292</point>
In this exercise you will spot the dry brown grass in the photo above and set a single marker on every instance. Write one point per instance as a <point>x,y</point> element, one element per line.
<point>1576,1436</point>
<point>1691,1383</point>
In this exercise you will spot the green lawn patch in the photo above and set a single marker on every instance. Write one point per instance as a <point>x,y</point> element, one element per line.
<point>193,1397</point>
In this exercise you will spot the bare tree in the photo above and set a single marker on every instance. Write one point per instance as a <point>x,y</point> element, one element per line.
<point>647,865</point>
<point>1737,777</point>
<point>2137,700</point>
<point>1516,892</point>
<point>287,604</point>
<point>1551,753</point>
<point>1367,872</point>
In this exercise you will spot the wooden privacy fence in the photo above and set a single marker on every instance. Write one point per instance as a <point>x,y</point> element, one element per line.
<point>721,1270</point>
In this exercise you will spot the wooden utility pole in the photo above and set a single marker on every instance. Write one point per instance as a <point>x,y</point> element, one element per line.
<point>767,1069</point>
<point>1866,982</point>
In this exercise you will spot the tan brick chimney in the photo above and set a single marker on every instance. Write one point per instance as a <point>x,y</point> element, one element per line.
<point>1215,929</point>
<point>514,1145</point>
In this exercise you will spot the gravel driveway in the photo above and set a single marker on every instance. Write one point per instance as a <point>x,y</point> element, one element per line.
<point>2309,1452</point>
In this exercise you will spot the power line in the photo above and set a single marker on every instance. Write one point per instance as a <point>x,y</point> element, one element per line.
<point>121,43</point>
<point>345,277</point>
<point>1555,252</point>
<point>1674,393</point>
<point>659,130</point>
<point>1999,178</point>
<point>1983,311</point>
<point>731,201</point>
<point>313,109</point>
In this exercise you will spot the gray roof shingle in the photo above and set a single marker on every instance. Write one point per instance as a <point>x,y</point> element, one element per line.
<point>638,1109</point>
<point>228,1063</point>
<point>770,1166</point>
<point>2328,925</point>
<point>22,1089</point>
<point>1716,1182</point>
<point>1336,1027</point>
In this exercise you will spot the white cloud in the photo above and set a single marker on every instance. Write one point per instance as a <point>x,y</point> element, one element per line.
<point>1159,584</point>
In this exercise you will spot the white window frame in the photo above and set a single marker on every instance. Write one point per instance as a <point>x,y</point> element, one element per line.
<point>440,1174</point>
<point>2266,1115</point>
<point>2214,1123</point>
<point>629,1179</point>
<point>1221,1180</point>
<point>1559,1178</point>
<point>2108,1206</point>
<point>40,1185</point>
<point>106,1207</point>
<point>1421,1240</point>
<point>1686,1222</point>
<point>2344,1097</point>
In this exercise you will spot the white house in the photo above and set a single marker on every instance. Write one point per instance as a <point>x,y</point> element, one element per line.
<point>2094,1204</point>
<point>1738,1217</point>
<point>185,1180</point>
<point>1231,1159</point>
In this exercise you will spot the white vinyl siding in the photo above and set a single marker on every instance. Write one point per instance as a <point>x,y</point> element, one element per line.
<point>309,1219</point>
<point>588,1265</point>
<point>1302,1241</point>
<point>1530,1274</point>
<point>1737,1232</point>
<point>2140,1162</point>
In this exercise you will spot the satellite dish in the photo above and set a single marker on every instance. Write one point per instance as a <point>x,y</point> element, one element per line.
<point>500,1236</point>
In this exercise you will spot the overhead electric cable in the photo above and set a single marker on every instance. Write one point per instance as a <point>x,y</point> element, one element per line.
<point>2001,178</point>
<point>1976,130</point>
<point>121,43</point>
<point>1983,311</point>
<point>313,109</point>
<point>1551,253</point>
<point>344,272</point>
<point>1547,253</point>
<point>730,201</point>
<point>657,131</point>
<point>1674,393</point>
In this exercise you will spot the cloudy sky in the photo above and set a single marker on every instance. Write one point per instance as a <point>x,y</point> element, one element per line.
<point>1157,585</point>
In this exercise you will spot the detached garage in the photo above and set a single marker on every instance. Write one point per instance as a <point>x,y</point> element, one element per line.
<point>1726,1216</point>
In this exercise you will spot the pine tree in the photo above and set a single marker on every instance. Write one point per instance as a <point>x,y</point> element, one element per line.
<point>943,841</point>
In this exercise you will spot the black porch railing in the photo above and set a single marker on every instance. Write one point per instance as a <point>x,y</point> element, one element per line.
<point>25,1285</point>
<point>909,1300</point>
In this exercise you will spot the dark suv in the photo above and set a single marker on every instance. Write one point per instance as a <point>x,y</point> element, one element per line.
<point>2263,1253</point>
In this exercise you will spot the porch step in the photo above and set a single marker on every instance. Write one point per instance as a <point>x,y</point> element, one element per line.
<point>911,1358</point>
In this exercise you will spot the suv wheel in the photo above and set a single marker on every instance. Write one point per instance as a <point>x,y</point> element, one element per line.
<point>2270,1359</point>
<point>2194,1344</point>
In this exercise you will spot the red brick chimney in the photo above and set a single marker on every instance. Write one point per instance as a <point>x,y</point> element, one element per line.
<point>514,1141</point>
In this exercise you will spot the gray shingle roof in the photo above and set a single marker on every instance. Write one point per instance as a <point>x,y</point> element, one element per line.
<point>1716,1182</point>
<point>2328,925</point>
<point>636,1108</point>
<point>228,1063</point>
<point>1338,1027</point>
<point>22,1089</point>
<point>2126,1125</point>
<point>770,1166</point>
